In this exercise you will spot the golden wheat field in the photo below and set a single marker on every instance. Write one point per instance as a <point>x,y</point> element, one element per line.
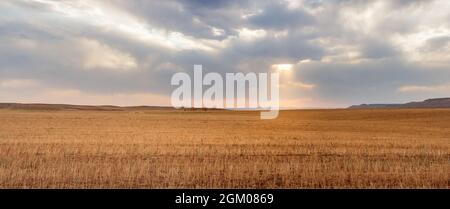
<point>225,149</point>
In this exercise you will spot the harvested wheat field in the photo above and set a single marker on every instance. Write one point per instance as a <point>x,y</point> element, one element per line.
<point>385,148</point>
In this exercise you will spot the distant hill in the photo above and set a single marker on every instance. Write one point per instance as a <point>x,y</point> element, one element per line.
<point>55,107</point>
<point>20,106</point>
<point>429,103</point>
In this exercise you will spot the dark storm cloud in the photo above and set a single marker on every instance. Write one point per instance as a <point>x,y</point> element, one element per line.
<point>218,4</point>
<point>193,18</point>
<point>440,43</point>
<point>409,3</point>
<point>376,49</point>
<point>278,16</point>
<point>289,49</point>
<point>369,82</point>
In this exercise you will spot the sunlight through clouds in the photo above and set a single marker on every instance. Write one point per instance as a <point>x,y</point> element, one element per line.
<point>93,12</point>
<point>335,51</point>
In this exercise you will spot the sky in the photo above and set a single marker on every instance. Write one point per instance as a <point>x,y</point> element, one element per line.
<point>331,53</point>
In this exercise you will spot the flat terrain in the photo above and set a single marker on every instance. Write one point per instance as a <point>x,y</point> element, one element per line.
<point>383,148</point>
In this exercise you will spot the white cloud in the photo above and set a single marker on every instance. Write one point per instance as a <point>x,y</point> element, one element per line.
<point>301,85</point>
<point>109,18</point>
<point>444,88</point>
<point>250,35</point>
<point>362,19</point>
<point>101,56</point>
<point>19,83</point>
<point>217,31</point>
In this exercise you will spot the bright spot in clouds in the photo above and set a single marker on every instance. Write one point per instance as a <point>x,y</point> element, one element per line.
<point>250,35</point>
<point>283,67</point>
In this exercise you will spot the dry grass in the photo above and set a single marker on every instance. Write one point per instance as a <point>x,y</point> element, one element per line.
<point>176,149</point>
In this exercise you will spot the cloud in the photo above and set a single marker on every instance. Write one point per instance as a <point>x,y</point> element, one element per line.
<point>18,83</point>
<point>377,49</point>
<point>100,56</point>
<point>370,81</point>
<point>444,88</point>
<point>277,15</point>
<point>357,51</point>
